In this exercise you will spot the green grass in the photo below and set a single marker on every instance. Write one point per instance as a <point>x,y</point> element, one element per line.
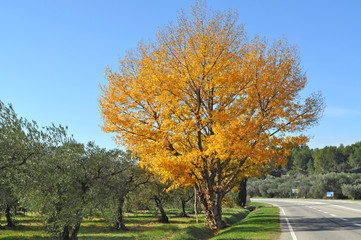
<point>263,223</point>
<point>143,225</point>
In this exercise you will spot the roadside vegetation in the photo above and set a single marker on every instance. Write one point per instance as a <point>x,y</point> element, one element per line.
<point>140,224</point>
<point>262,223</point>
<point>311,173</point>
<point>343,186</point>
<point>52,187</point>
<point>78,190</point>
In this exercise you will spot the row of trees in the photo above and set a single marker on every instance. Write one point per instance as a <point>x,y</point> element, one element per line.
<point>46,171</point>
<point>314,172</point>
<point>344,185</point>
<point>304,160</point>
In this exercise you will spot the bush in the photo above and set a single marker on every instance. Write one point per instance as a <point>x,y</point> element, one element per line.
<point>269,188</point>
<point>330,182</point>
<point>314,186</point>
<point>253,187</point>
<point>352,191</point>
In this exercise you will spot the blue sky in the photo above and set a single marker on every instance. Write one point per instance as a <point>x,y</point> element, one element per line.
<point>53,55</point>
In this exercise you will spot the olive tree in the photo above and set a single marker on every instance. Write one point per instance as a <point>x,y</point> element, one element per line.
<point>21,141</point>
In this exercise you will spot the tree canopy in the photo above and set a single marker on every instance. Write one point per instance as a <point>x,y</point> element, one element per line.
<point>204,105</point>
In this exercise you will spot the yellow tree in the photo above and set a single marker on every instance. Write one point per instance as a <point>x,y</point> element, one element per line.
<point>205,106</point>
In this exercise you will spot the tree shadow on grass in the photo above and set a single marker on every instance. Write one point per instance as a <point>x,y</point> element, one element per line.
<point>262,218</point>
<point>196,233</point>
<point>234,218</point>
<point>24,228</point>
<point>39,237</point>
<point>137,219</point>
<point>106,237</point>
<point>138,232</point>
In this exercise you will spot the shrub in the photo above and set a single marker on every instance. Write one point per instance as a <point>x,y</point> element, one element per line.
<point>352,191</point>
<point>330,182</point>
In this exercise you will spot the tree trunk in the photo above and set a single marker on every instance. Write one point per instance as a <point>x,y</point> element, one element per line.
<point>195,204</point>
<point>163,218</point>
<point>211,202</point>
<point>183,213</point>
<point>184,202</point>
<point>64,235</point>
<point>8,217</point>
<point>119,223</point>
<point>242,194</point>
<point>74,234</point>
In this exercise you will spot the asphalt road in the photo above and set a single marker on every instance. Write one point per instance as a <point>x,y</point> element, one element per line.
<point>306,219</point>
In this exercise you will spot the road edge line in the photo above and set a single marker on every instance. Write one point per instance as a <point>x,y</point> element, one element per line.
<point>293,235</point>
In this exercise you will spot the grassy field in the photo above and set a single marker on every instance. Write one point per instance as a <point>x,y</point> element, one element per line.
<point>259,224</point>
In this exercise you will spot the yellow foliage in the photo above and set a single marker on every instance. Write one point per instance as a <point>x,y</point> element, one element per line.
<point>205,102</point>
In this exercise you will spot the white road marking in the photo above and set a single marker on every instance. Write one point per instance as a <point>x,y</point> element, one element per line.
<point>293,235</point>
<point>296,201</point>
<point>346,208</point>
<point>289,225</point>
